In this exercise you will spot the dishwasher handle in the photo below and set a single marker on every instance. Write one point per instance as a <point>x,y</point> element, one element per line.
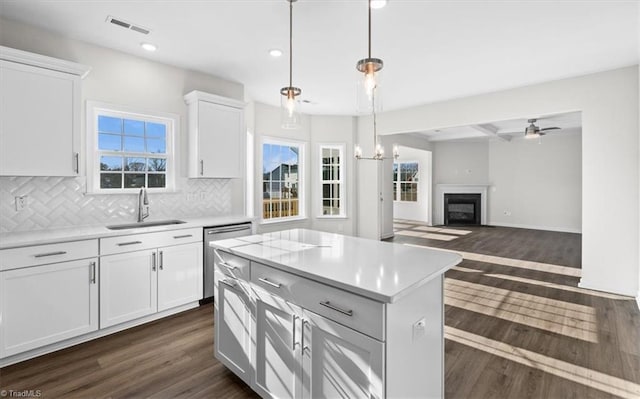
<point>228,229</point>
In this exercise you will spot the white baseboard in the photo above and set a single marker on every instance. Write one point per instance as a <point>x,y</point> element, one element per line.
<point>531,227</point>
<point>591,286</point>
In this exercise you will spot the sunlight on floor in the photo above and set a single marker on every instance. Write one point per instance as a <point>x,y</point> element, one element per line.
<point>569,371</point>
<point>523,264</point>
<point>566,318</point>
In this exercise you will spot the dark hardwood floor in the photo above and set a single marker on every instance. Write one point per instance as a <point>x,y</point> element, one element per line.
<point>517,326</point>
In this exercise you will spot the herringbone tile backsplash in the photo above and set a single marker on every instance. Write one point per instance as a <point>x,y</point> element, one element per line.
<point>61,202</point>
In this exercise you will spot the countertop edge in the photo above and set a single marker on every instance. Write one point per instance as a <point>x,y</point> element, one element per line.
<point>376,296</point>
<point>91,232</point>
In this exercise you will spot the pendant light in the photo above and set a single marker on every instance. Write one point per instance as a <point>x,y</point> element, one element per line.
<point>289,103</point>
<point>369,99</point>
<point>368,86</point>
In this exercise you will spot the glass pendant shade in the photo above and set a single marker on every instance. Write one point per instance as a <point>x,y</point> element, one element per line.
<point>290,108</point>
<point>369,79</point>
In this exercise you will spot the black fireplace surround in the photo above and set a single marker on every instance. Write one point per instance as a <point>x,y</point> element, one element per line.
<point>462,209</point>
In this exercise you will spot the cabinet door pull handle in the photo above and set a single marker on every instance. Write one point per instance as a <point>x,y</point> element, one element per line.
<point>161,260</point>
<point>201,167</point>
<point>264,280</point>
<point>77,159</point>
<point>183,236</point>
<point>328,304</point>
<point>153,261</point>
<point>50,254</point>
<point>122,244</point>
<point>228,283</point>
<point>305,348</point>
<point>92,272</point>
<point>228,266</point>
<point>293,345</point>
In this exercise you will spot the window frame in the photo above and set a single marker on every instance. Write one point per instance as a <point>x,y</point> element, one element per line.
<point>397,194</point>
<point>172,123</point>
<point>301,145</point>
<point>341,147</point>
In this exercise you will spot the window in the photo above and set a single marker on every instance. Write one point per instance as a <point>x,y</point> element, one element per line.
<point>129,150</point>
<point>281,180</point>
<point>331,180</point>
<point>405,181</point>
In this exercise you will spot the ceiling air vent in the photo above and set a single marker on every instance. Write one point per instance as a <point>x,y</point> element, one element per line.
<point>128,25</point>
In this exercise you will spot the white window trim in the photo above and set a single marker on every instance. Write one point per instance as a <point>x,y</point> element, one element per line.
<point>396,197</point>
<point>343,192</point>
<point>301,178</point>
<point>93,108</point>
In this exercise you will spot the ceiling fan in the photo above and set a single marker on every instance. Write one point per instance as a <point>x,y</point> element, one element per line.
<point>533,131</point>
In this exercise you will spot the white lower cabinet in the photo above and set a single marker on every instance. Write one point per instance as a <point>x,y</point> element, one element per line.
<point>278,355</point>
<point>128,288</point>
<point>139,283</point>
<point>44,304</point>
<point>339,362</point>
<point>292,352</point>
<point>234,309</point>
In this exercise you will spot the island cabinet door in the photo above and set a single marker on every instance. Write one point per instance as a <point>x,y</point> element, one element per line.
<point>339,362</point>
<point>278,354</point>
<point>233,325</point>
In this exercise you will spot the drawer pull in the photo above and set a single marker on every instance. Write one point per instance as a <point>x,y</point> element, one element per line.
<point>328,304</point>
<point>228,283</point>
<point>183,236</point>
<point>228,266</point>
<point>271,283</point>
<point>50,254</point>
<point>122,244</point>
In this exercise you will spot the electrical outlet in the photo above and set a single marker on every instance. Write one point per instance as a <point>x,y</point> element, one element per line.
<point>21,202</point>
<point>419,329</point>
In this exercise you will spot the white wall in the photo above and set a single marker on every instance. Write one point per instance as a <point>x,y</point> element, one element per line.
<point>610,158</point>
<point>459,162</point>
<point>537,183</point>
<point>333,130</point>
<point>314,131</point>
<point>420,210</point>
<point>122,79</point>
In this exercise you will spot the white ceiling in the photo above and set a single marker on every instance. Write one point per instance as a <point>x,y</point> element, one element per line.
<point>433,50</point>
<point>570,122</point>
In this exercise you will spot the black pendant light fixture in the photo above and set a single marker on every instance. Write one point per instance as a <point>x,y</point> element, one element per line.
<point>289,103</point>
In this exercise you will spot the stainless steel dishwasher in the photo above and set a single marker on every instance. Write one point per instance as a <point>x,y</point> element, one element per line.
<point>214,234</point>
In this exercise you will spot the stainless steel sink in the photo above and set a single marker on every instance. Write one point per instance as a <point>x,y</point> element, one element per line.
<point>144,224</point>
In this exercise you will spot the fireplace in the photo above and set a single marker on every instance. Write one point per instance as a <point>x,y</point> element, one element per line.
<point>462,209</point>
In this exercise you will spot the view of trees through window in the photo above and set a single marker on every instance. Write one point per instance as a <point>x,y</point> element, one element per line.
<point>280,180</point>
<point>132,153</point>
<point>405,181</point>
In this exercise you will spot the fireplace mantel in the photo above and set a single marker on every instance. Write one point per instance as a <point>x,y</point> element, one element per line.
<point>442,189</point>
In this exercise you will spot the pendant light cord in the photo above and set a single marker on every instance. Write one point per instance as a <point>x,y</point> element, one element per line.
<point>369,28</point>
<point>290,43</point>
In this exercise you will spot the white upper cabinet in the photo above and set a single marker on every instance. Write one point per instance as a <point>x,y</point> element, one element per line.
<point>216,136</point>
<point>39,114</point>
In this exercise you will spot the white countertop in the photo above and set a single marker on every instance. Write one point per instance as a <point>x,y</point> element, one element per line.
<point>49,236</point>
<point>378,270</point>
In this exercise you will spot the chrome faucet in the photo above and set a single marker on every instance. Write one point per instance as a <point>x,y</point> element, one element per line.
<point>143,200</point>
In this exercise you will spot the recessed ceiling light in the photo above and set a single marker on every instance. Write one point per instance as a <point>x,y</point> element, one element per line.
<point>274,52</point>
<point>148,46</point>
<point>376,4</point>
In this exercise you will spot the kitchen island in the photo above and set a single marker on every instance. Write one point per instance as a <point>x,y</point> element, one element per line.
<point>303,313</point>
